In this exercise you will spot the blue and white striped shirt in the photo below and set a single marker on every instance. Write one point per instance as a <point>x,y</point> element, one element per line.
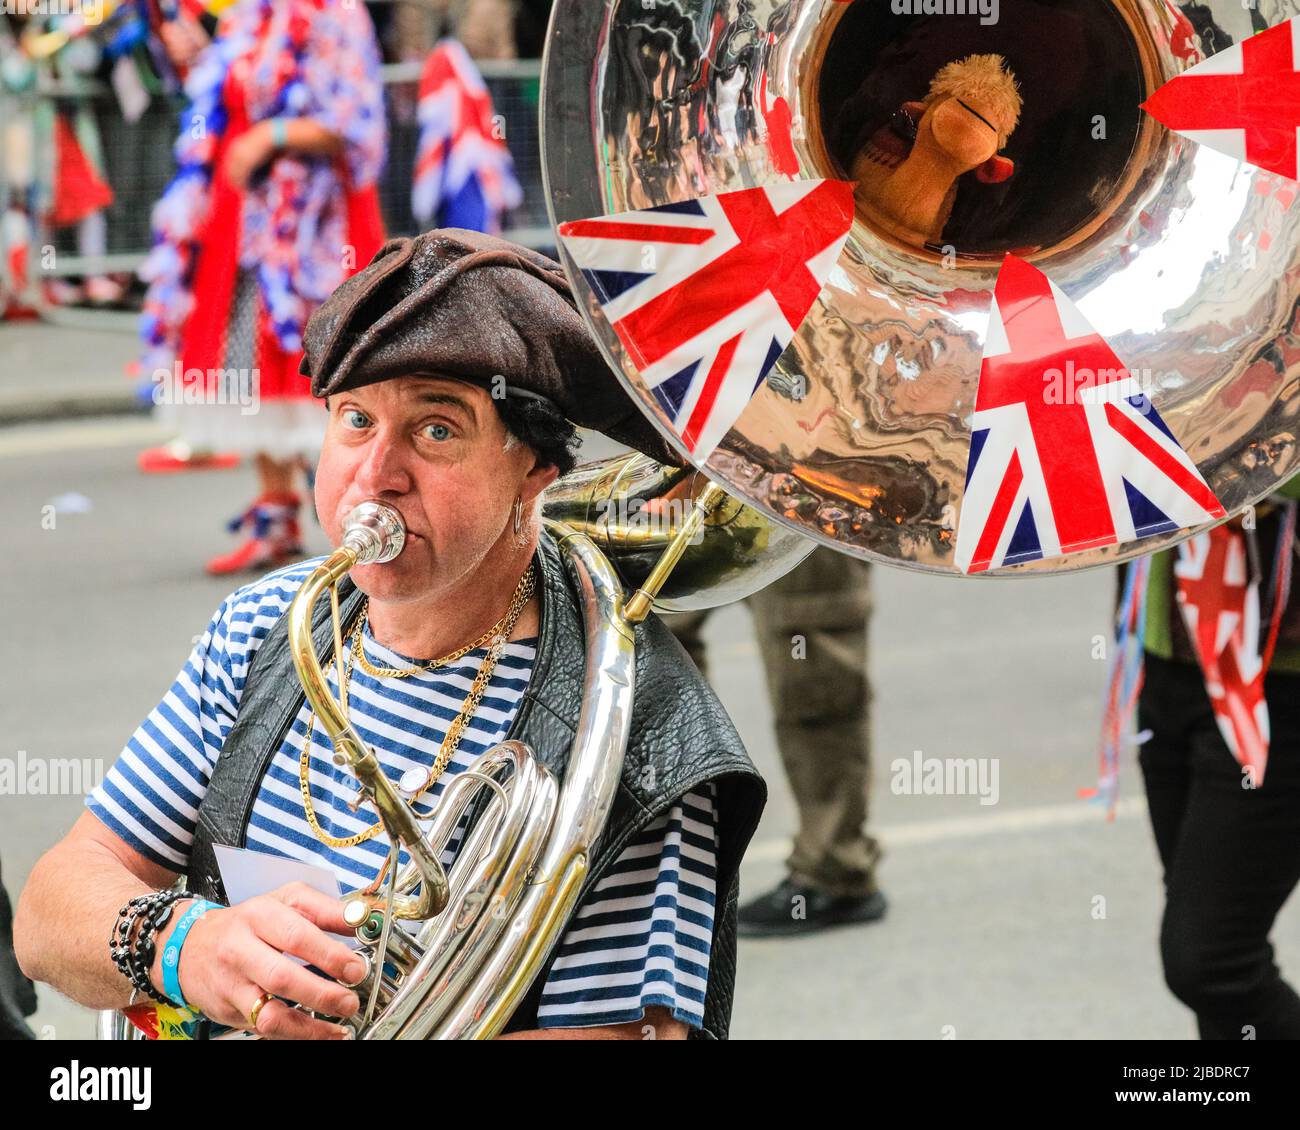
<point>642,936</point>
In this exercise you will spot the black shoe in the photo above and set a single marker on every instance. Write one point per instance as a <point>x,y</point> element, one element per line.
<point>793,908</point>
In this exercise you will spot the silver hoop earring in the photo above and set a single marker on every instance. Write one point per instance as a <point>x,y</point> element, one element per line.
<point>519,516</point>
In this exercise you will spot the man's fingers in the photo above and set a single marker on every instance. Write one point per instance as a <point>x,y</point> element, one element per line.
<point>323,910</point>
<point>281,977</point>
<point>277,1021</point>
<point>290,932</point>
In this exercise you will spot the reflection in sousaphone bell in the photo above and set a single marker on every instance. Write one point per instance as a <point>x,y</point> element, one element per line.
<point>1143,230</point>
<point>632,508</point>
<point>967,118</point>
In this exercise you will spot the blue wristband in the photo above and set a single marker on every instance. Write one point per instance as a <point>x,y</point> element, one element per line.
<point>279,132</point>
<point>171,959</point>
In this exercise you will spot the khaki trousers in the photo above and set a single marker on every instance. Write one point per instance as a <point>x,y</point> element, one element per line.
<point>812,633</point>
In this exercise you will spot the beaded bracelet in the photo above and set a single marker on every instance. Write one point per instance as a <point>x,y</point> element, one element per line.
<point>126,941</point>
<point>153,918</point>
<point>119,946</point>
<point>132,944</point>
<point>154,915</point>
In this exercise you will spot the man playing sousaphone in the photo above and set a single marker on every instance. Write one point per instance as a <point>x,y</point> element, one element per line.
<point>454,369</point>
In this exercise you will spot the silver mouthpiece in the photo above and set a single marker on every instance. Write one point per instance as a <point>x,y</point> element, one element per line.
<point>375,532</point>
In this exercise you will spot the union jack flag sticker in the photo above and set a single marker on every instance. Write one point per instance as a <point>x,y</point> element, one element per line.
<point>1243,101</point>
<point>706,295</point>
<point>1067,451</point>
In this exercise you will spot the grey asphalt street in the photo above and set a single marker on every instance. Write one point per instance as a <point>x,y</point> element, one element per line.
<point>1031,917</point>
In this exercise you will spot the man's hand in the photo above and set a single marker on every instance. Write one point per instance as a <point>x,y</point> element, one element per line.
<point>233,956</point>
<point>256,146</point>
<point>247,153</point>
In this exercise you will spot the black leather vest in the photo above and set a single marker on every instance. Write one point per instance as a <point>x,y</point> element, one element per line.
<point>680,738</point>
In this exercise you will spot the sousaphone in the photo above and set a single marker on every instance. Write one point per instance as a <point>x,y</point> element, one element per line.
<point>1184,259</point>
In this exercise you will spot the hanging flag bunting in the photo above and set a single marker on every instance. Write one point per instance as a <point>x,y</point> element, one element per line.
<point>1220,603</point>
<point>464,173</point>
<point>1067,453</point>
<point>1244,101</point>
<point>706,295</point>
<point>1124,683</point>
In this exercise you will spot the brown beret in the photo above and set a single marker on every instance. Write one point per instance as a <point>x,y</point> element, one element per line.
<point>469,306</point>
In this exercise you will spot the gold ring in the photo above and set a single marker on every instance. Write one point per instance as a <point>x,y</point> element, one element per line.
<point>256,1011</point>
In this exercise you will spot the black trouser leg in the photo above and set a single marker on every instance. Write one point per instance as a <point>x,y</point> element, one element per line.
<point>1231,855</point>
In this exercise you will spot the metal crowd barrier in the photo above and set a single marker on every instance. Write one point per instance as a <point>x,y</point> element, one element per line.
<point>138,163</point>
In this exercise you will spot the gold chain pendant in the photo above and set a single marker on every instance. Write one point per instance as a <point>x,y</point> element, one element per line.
<point>499,636</point>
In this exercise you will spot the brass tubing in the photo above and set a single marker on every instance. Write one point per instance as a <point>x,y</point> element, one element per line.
<point>350,748</point>
<point>590,783</point>
<point>639,607</point>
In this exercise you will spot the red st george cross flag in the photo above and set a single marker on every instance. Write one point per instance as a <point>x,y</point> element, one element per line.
<point>1244,101</point>
<point>1220,604</point>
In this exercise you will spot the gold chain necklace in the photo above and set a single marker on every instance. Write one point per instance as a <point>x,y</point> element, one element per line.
<point>499,637</point>
<point>359,651</point>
